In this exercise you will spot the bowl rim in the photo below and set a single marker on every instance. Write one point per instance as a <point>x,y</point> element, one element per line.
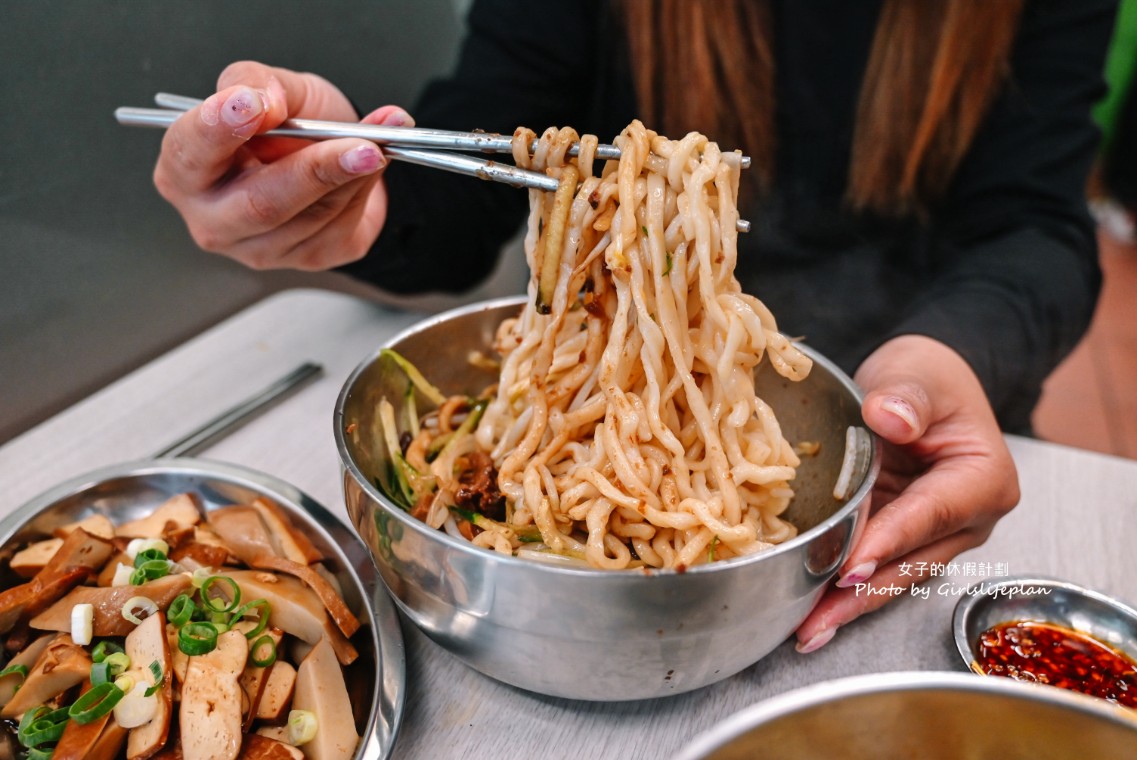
<point>970,602</point>
<point>823,692</point>
<point>388,693</point>
<point>348,463</point>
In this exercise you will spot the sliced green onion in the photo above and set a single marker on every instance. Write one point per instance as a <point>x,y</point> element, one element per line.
<point>200,576</point>
<point>41,726</point>
<point>139,604</point>
<point>149,555</point>
<point>181,610</point>
<point>197,638</point>
<point>149,570</point>
<point>82,623</point>
<point>95,703</point>
<point>39,753</point>
<point>17,670</point>
<point>112,666</point>
<point>100,673</point>
<point>263,610</point>
<point>159,678</point>
<point>122,575</point>
<point>135,709</point>
<point>140,545</point>
<point>102,649</point>
<point>124,682</point>
<point>209,602</point>
<point>119,662</point>
<point>302,727</point>
<point>268,659</point>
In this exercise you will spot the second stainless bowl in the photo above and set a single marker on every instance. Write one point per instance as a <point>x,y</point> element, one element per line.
<point>930,716</point>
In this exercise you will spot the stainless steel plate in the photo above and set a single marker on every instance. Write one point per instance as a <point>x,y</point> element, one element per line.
<point>133,489</point>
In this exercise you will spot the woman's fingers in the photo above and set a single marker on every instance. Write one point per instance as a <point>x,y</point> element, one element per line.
<point>929,408</point>
<point>843,605</point>
<point>274,202</point>
<point>339,228</point>
<point>199,149</point>
<point>953,495</point>
<point>948,476</point>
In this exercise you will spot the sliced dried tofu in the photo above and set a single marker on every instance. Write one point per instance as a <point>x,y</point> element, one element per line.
<point>294,544</point>
<point>333,602</point>
<point>78,557</point>
<point>321,690</point>
<point>175,513</point>
<point>276,696</point>
<point>30,560</point>
<point>60,666</point>
<point>210,712</point>
<point>254,678</point>
<point>276,733</point>
<point>147,644</point>
<point>258,747</point>
<point>107,575</point>
<point>241,528</point>
<point>108,603</point>
<point>203,534</point>
<point>101,739</point>
<point>193,555</point>
<point>96,525</point>
<point>179,660</point>
<point>26,657</point>
<point>295,609</point>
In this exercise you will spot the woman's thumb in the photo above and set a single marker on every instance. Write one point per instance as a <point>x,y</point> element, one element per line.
<point>898,412</point>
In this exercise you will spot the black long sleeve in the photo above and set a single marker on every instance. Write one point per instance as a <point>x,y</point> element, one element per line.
<point>1017,278</point>
<point>1005,272</point>
<point>520,65</point>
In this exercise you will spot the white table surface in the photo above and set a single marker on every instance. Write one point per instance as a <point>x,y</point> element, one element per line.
<point>1077,521</point>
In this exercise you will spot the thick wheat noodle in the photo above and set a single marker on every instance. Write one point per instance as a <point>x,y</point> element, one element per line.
<point>624,424</point>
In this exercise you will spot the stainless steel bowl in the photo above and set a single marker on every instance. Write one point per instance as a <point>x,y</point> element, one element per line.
<point>931,716</point>
<point>127,491</point>
<point>591,634</point>
<point>1043,600</point>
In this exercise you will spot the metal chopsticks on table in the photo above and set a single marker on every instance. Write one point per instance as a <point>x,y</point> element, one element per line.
<point>416,145</point>
<point>235,416</point>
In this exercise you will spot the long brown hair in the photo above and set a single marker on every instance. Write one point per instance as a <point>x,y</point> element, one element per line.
<point>933,70</point>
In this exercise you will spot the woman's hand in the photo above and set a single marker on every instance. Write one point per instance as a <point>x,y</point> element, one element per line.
<point>275,202</point>
<point>946,479</point>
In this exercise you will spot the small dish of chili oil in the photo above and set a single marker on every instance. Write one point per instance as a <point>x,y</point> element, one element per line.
<point>1027,650</point>
<point>1052,632</point>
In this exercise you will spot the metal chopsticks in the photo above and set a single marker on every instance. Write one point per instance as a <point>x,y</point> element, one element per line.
<point>396,142</point>
<point>232,418</point>
<point>416,145</point>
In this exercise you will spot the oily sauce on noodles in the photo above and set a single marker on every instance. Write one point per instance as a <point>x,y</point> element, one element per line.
<point>1051,654</point>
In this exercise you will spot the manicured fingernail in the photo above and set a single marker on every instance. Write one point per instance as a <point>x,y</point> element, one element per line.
<point>399,118</point>
<point>241,110</point>
<point>819,640</point>
<point>362,160</point>
<point>858,574</point>
<point>901,409</point>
